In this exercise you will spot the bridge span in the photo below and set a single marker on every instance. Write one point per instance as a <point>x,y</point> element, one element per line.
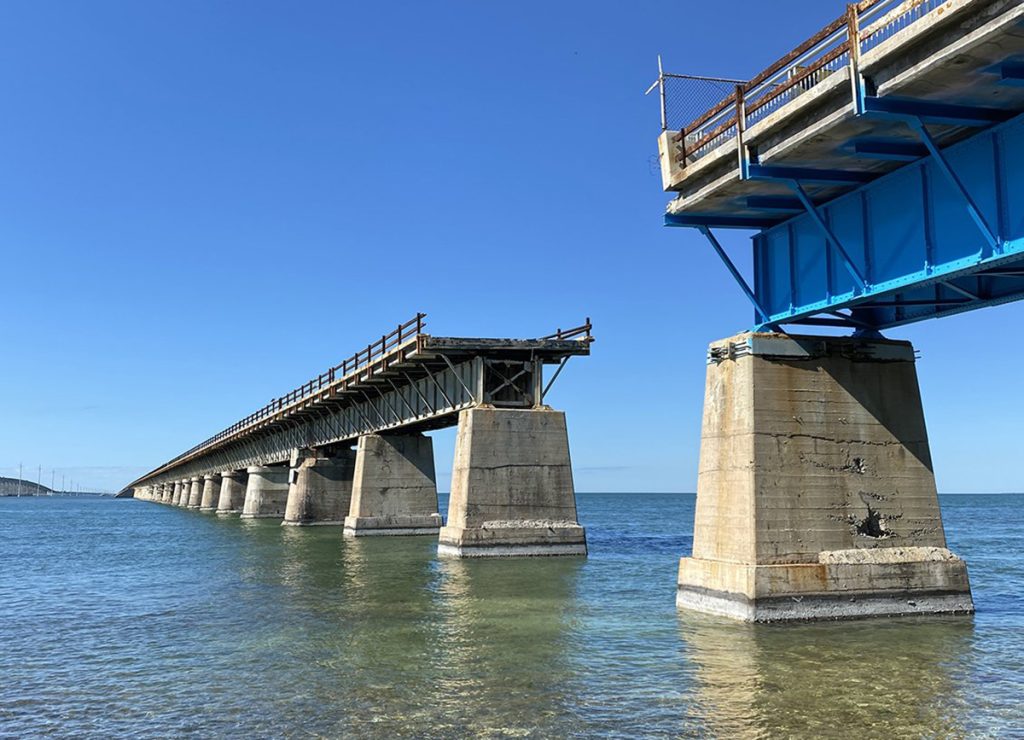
<point>348,447</point>
<point>880,167</point>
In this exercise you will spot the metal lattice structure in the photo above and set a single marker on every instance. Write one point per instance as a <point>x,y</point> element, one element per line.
<point>878,162</point>
<point>407,380</point>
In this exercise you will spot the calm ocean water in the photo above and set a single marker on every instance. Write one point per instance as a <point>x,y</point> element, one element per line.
<point>121,618</point>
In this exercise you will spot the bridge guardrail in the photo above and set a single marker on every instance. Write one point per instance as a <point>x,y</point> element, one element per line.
<point>405,334</point>
<point>870,22</point>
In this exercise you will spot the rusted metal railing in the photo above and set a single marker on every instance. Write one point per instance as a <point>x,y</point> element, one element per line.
<point>828,52</point>
<point>581,333</point>
<point>405,334</point>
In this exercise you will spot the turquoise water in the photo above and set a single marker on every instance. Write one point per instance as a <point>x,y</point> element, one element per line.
<point>121,618</point>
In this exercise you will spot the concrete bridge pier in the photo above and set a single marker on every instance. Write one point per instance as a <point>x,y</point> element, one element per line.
<point>166,492</point>
<point>815,492</point>
<point>211,492</point>
<point>195,492</point>
<point>394,490</point>
<point>319,487</point>
<point>232,492</point>
<point>512,488</point>
<point>266,492</point>
<point>179,487</point>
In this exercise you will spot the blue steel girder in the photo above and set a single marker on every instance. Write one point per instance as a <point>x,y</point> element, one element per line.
<point>941,235</point>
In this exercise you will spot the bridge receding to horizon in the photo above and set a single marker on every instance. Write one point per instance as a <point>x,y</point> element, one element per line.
<point>512,489</point>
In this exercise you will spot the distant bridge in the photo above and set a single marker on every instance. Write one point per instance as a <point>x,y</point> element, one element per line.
<point>512,491</point>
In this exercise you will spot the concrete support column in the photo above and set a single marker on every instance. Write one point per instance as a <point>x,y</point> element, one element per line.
<point>320,488</point>
<point>211,492</point>
<point>168,492</point>
<point>266,492</point>
<point>815,494</point>
<point>512,489</point>
<point>195,492</point>
<point>394,490</point>
<point>178,489</point>
<point>232,492</point>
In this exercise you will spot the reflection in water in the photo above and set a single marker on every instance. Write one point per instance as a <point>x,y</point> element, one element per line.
<point>505,642</point>
<point>180,625</point>
<point>865,678</point>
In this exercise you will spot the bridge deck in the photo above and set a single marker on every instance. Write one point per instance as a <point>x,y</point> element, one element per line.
<point>954,54</point>
<point>880,162</point>
<point>407,380</point>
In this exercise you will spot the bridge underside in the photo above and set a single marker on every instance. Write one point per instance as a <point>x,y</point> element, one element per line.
<point>890,190</point>
<point>512,490</point>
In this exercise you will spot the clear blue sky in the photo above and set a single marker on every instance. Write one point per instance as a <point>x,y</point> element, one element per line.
<point>202,204</point>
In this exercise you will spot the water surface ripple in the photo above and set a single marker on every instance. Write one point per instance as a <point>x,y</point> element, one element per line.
<point>131,619</point>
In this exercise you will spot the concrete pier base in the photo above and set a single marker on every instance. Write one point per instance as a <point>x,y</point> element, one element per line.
<point>320,488</point>
<point>266,493</point>
<point>815,493</point>
<point>195,492</point>
<point>232,492</point>
<point>211,492</point>
<point>179,489</point>
<point>512,488</point>
<point>394,490</point>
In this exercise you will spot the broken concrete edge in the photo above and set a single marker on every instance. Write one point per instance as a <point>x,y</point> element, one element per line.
<point>839,606</point>
<point>312,523</point>
<point>806,347</point>
<point>389,531</point>
<point>510,551</point>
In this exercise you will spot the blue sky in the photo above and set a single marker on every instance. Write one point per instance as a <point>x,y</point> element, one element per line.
<point>202,204</point>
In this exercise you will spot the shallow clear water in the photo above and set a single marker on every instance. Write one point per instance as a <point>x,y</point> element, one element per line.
<point>125,618</point>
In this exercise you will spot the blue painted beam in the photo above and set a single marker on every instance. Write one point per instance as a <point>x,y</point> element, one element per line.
<point>808,175</point>
<point>774,203</point>
<point>889,149</point>
<point>930,111</point>
<point>941,235</point>
<point>718,221</point>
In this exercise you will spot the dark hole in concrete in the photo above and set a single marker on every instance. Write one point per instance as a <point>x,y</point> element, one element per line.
<point>872,525</point>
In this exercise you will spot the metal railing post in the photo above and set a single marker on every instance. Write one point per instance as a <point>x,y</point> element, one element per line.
<point>741,125</point>
<point>853,40</point>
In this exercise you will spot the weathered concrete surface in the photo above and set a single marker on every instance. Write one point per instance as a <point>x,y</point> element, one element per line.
<point>266,493</point>
<point>232,491</point>
<point>320,488</point>
<point>512,488</point>
<point>195,492</point>
<point>394,490</point>
<point>211,492</point>
<point>815,491</point>
<point>179,489</point>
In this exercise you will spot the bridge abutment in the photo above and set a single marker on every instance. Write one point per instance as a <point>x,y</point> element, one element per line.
<point>266,492</point>
<point>816,497</point>
<point>320,488</point>
<point>211,492</point>
<point>512,489</point>
<point>394,489</point>
<point>232,491</point>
